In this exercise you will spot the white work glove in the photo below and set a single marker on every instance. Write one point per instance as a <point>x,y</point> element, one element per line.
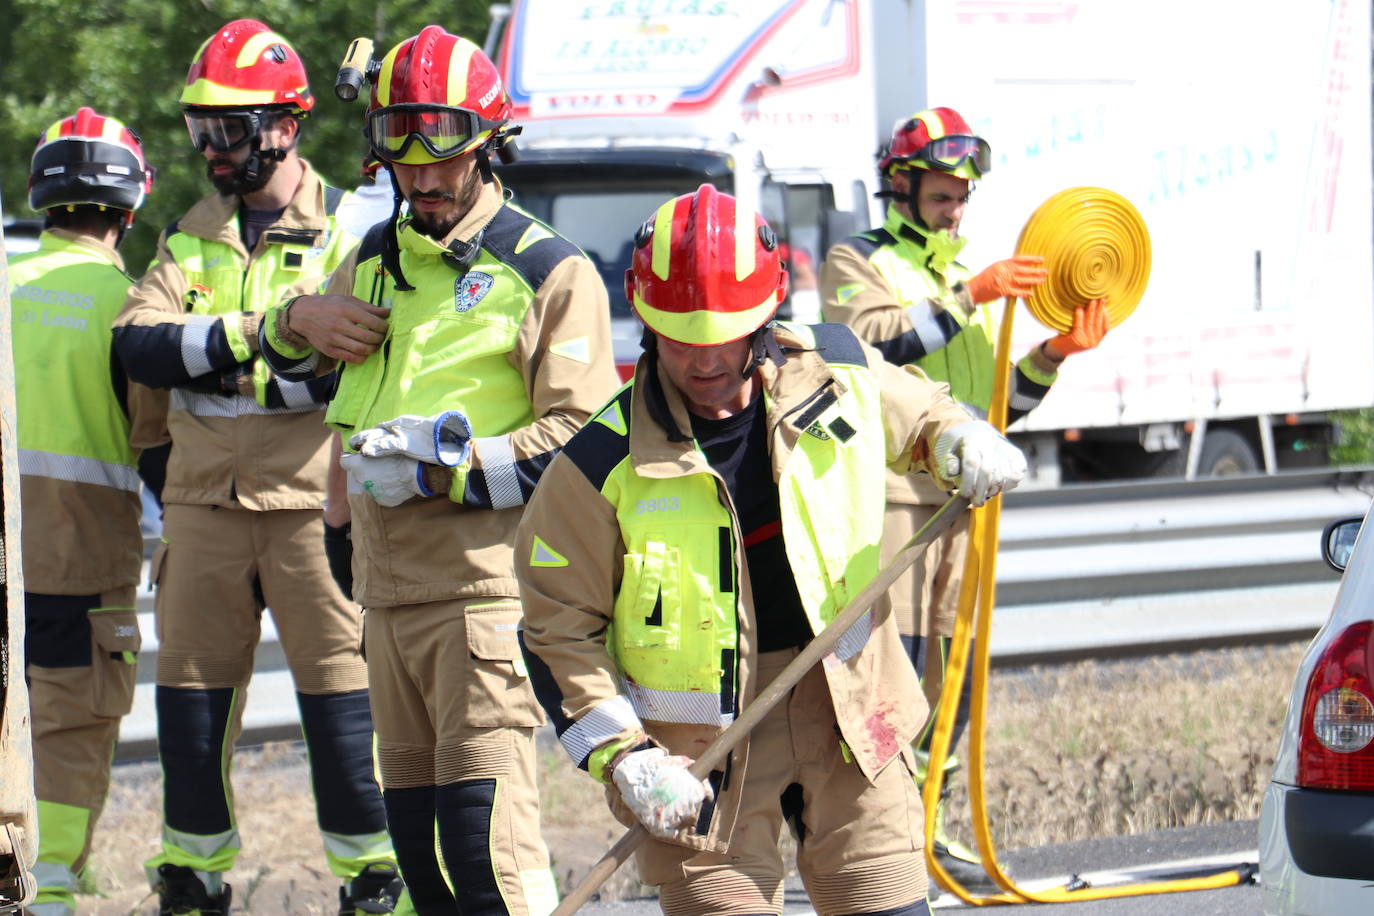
<point>980,460</point>
<point>390,480</point>
<point>444,438</point>
<point>659,790</point>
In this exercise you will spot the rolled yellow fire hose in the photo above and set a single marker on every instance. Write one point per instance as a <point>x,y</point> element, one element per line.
<point>1095,246</point>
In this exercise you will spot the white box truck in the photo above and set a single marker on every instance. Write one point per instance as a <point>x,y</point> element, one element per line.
<point>1241,133</point>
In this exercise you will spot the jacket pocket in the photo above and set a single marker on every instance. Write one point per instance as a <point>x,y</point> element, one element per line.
<point>115,642</point>
<point>649,614</point>
<point>498,688</point>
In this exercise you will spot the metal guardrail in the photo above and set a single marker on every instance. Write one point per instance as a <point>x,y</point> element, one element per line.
<point>1099,569</point>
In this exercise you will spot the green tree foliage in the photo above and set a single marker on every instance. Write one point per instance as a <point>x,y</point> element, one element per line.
<point>129,60</point>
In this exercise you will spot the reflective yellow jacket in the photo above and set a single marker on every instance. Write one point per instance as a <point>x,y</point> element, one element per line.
<point>78,471</point>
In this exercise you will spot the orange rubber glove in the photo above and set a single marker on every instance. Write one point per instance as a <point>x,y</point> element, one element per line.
<point>1090,325</point>
<point>1016,276</point>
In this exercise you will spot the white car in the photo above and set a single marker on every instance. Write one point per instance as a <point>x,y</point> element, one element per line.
<point>21,235</point>
<point>1316,831</point>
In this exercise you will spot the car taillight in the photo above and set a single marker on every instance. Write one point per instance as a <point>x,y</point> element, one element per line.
<point>1336,745</point>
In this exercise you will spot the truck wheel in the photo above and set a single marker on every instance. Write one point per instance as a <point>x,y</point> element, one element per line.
<point>1226,453</point>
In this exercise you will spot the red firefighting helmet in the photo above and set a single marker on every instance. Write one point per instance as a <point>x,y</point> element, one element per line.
<point>705,270</point>
<point>937,140</point>
<point>246,66</point>
<point>435,97</point>
<point>89,158</point>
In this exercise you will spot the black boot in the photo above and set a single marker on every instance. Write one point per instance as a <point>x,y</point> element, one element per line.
<point>181,893</point>
<point>375,889</point>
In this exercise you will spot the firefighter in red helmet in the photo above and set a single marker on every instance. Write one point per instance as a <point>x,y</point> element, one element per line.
<point>701,529</point>
<point>901,289</point>
<point>245,483</point>
<point>497,348</point>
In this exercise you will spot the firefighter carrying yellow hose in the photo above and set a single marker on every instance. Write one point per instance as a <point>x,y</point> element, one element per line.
<point>706,523</point>
<point>901,289</point>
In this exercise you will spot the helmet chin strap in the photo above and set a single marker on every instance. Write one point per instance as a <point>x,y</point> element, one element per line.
<point>763,346</point>
<point>391,246</point>
<point>252,166</point>
<point>909,198</point>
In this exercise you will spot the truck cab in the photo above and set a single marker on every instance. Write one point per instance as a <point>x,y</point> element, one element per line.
<point>712,103</point>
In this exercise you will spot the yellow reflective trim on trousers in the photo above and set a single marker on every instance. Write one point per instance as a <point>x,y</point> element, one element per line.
<point>349,854</point>
<point>61,832</point>
<point>541,891</point>
<point>663,240</point>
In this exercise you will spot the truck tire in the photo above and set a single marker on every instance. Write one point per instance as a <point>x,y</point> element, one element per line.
<point>1226,453</point>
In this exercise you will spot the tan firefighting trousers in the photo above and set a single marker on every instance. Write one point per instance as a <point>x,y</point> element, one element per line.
<point>216,570</point>
<point>452,703</point>
<point>76,713</point>
<point>860,848</point>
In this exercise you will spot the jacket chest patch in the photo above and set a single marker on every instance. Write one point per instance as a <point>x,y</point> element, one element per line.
<point>199,297</point>
<point>470,289</point>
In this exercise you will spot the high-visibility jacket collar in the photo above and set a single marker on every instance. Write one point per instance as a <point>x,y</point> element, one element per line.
<point>55,239</point>
<point>216,217</point>
<point>478,216</point>
<point>655,454</point>
<point>940,248</point>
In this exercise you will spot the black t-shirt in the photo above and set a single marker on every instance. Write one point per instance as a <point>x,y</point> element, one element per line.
<point>737,447</point>
<point>254,222</point>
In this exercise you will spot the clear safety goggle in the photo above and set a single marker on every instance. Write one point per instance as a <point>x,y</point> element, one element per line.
<point>443,131</point>
<point>948,153</point>
<point>221,132</point>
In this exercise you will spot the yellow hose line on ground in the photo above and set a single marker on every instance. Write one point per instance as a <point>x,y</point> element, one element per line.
<point>1095,245</point>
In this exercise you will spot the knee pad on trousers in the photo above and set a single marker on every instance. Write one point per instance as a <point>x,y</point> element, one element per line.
<point>916,908</point>
<point>338,735</point>
<point>464,813</point>
<point>410,821</point>
<point>192,728</point>
<point>57,630</point>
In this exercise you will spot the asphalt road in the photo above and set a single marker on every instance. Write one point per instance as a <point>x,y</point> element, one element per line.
<point>1157,856</point>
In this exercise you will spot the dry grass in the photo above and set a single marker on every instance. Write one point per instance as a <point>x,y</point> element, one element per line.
<point>1073,752</point>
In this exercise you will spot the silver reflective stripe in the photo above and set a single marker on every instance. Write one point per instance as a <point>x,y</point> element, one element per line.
<point>354,851</point>
<point>195,338</point>
<point>306,365</point>
<point>692,707</point>
<point>852,642</point>
<point>53,876</point>
<point>928,330</point>
<point>607,719</point>
<point>77,470</point>
<point>498,464</point>
<point>227,405</point>
<point>199,845</point>
<point>296,395</point>
<point>1023,402</point>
